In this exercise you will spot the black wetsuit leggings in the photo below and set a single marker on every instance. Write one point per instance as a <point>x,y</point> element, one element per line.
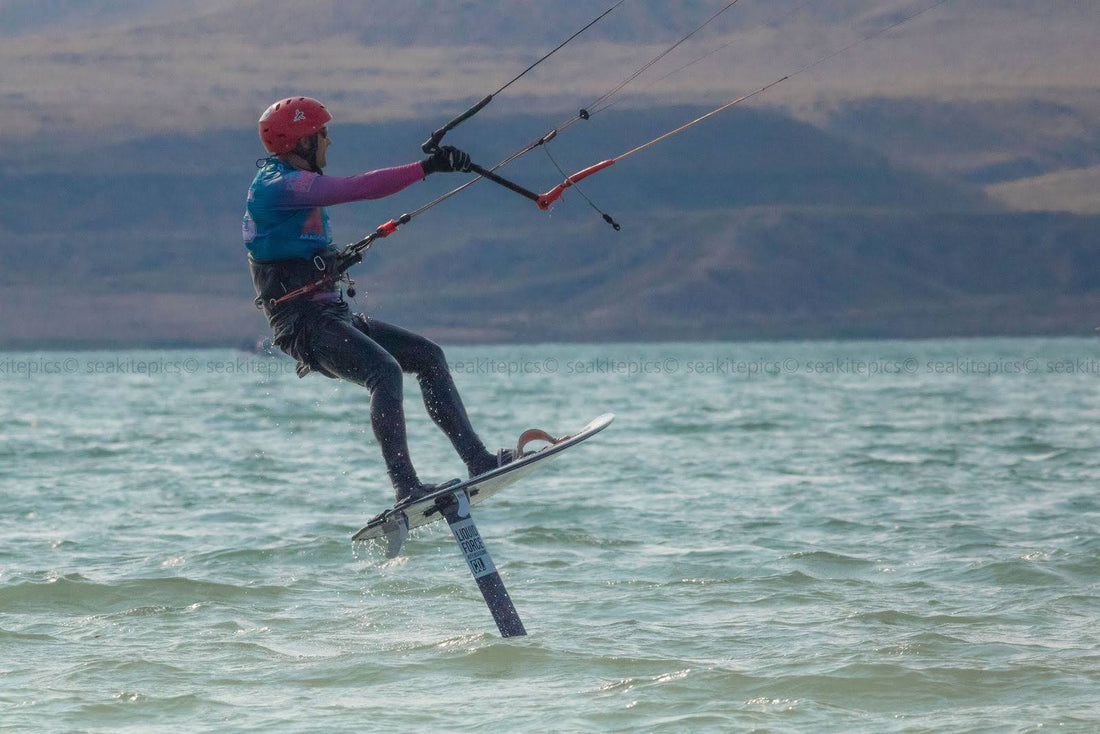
<point>374,354</point>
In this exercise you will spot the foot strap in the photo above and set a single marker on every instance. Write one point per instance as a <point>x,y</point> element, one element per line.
<point>535,434</point>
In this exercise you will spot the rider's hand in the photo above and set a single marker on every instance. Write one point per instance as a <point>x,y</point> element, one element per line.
<point>447,159</point>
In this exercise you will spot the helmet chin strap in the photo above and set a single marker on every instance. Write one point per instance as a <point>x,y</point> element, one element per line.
<point>311,159</point>
<point>308,153</point>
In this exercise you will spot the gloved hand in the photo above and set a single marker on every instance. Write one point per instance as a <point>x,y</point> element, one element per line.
<point>447,159</point>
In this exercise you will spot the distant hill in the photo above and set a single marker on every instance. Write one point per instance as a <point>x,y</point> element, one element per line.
<point>932,181</point>
<point>753,226</point>
<point>984,142</point>
<point>759,273</point>
<point>130,68</point>
<point>488,22</point>
<point>170,201</point>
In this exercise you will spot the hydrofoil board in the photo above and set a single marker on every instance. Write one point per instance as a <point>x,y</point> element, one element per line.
<point>397,521</point>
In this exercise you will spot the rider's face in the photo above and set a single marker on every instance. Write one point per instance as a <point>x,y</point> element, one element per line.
<point>323,142</point>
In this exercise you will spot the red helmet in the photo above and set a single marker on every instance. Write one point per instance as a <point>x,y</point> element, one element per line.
<point>289,120</point>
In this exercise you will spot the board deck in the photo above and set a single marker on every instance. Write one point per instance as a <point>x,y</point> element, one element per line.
<point>430,508</point>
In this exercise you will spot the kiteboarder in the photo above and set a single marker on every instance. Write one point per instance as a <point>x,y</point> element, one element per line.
<point>286,231</point>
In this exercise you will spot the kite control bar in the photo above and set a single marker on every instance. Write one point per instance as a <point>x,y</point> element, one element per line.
<point>510,185</point>
<point>432,144</point>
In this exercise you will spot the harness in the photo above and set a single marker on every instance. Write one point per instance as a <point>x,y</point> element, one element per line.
<point>280,281</point>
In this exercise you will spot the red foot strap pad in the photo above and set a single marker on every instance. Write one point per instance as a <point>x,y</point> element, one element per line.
<point>534,434</point>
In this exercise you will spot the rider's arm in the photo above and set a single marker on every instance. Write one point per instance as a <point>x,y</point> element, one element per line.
<point>304,189</point>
